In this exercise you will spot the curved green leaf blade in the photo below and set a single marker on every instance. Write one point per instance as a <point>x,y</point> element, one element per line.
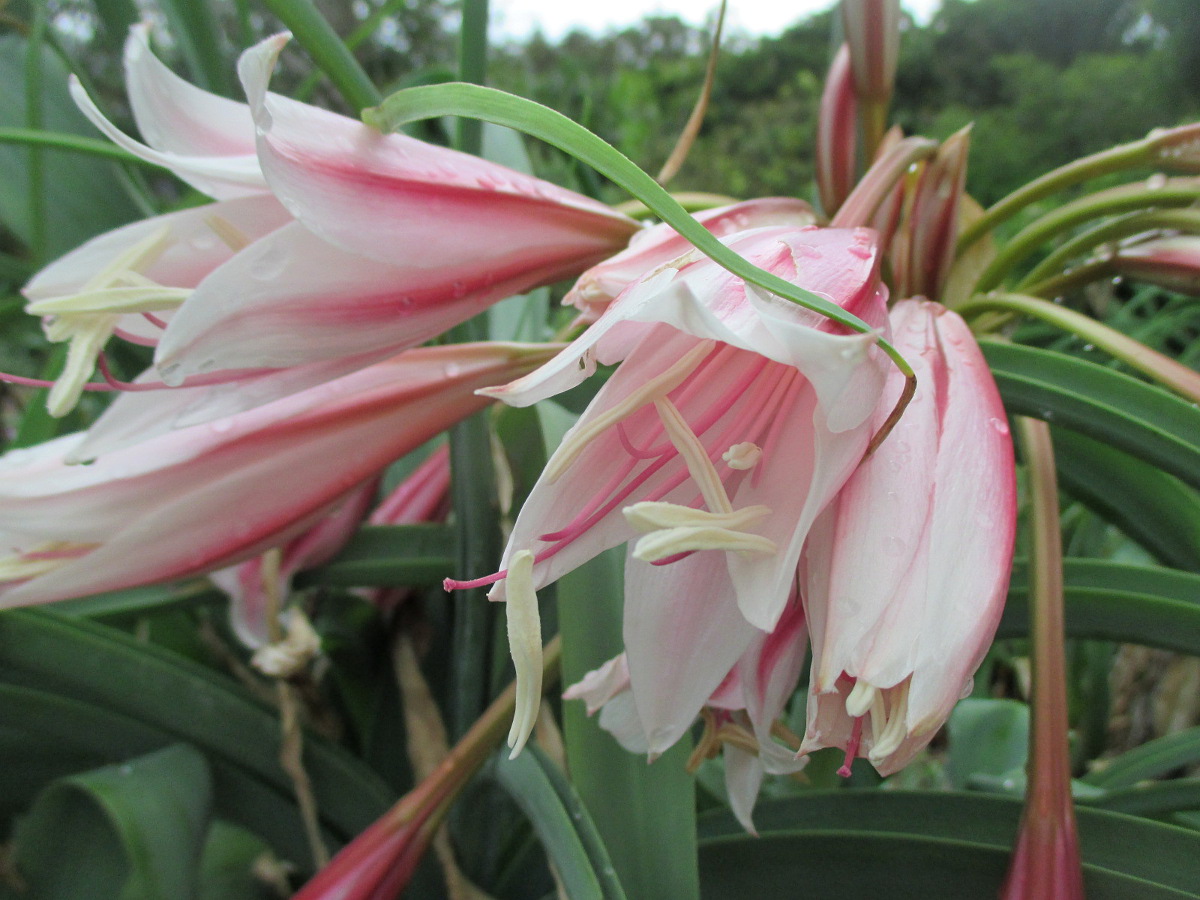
<point>1128,414</point>
<point>1155,509</point>
<point>191,704</point>
<point>1152,759</point>
<point>51,736</point>
<point>563,824</point>
<point>1118,850</point>
<point>133,831</point>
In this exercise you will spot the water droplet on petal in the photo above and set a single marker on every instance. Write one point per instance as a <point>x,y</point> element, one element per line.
<point>998,425</point>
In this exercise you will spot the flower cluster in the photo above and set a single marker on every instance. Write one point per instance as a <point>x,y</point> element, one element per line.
<point>744,448</point>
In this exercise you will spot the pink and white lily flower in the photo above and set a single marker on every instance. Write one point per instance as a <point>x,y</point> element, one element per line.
<point>197,499</point>
<point>905,574</point>
<point>732,420</point>
<point>396,241</point>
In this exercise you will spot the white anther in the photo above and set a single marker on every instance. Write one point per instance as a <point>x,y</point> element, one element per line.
<point>525,645</point>
<point>650,516</point>
<point>742,456</point>
<point>861,696</point>
<point>579,437</point>
<point>896,731</point>
<point>671,541</point>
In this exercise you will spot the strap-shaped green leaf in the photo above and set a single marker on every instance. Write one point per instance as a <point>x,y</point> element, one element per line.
<point>1128,414</point>
<point>862,837</point>
<point>1152,759</point>
<point>1155,509</point>
<point>133,831</point>
<point>1158,799</point>
<point>476,102</point>
<point>54,736</point>
<point>191,704</point>
<point>562,823</point>
<point>1147,605</point>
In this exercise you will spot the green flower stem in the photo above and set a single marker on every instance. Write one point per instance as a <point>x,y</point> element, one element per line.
<point>1147,152</point>
<point>368,27</point>
<point>1168,193</point>
<point>490,105</point>
<point>73,142</point>
<point>1047,853</point>
<point>473,475</point>
<point>316,36</point>
<point>472,68</point>
<point>1157,366</point>
<point>1184,220</point>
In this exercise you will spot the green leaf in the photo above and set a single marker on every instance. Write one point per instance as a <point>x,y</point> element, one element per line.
<point>1146,605</point>
<point>187,702</point>
<point>988,737</point>
<point>1152,759</point>
<point>227,864</point>
<point>53,736</point>
<point>316,36</point>
<point>563,824</point>
<point>388,556</point>
<point>1158,799</point>
<point>902,843</point>
<point>82,198</point>
<point>1121,411</point>
<point>128,832</point>
<point>644,813</point>
<point>1155,509</point>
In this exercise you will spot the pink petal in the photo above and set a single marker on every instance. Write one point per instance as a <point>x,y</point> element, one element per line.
<point>402,201</point>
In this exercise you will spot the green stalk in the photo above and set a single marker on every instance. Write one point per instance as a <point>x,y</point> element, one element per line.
<point>356,37</point>
<point>473,475</point>
<point>34,120</point>
<point>472,68</point>
<point>316,36</point>
<point>1172,192</point>
<point>1162,369</point>
<point>1185,220</point>
<point>1146,152</point>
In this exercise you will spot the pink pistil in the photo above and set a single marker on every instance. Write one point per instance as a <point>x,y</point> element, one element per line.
<point>852,747</point>
<point>154,320</point>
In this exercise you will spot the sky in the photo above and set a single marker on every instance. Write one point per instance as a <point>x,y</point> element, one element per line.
<point>519,18</point>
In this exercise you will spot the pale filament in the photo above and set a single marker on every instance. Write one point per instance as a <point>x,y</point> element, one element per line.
<point>695,456</point>
<point>659,386</point>
<point>525,645</point>
<point>40,560</point>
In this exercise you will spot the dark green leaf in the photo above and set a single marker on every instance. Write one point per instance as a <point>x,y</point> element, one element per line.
<point>563,824</point>
<point>389,556</point>
<point>133,831</point>
<point>1128,414</point>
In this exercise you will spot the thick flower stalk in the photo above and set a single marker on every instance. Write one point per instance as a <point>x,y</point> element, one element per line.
<point>198,499</point>
<point>732,420</point>
<point>905,575</point>
<point>321,253</point>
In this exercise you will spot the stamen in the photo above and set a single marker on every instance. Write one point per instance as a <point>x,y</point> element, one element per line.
<point>656,387</point>
<point>695,456</point>
<point>861,696</point>
<point>896,730</point>
<point>852,748</point>
<point>154,320</point>
<point>40,560</point>
<point>525,645</point>
<point>114,299</point>
<point>650,516</point>
<point>231,236</point>
<point>742,456</point>
<point>670,541</point>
